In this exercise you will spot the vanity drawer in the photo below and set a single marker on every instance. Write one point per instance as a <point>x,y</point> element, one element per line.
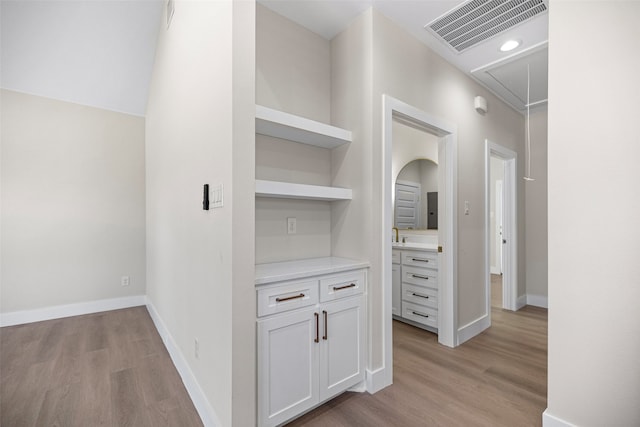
<point>426,297</point>
<point>342,285</point>
<point>420,276</point>
<point>395,257</point>
<point>417,313</point>
<point>289,296</point>
<point>420,259</point>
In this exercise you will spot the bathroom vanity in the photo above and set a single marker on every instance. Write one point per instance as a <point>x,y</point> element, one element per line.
<point>415,284</point>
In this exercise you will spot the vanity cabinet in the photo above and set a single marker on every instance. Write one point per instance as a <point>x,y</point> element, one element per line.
<point>396,282</point>
<point>418,285</point>
<point>311,340</point>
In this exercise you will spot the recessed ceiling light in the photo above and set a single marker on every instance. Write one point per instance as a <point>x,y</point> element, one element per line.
<point>509,45</point>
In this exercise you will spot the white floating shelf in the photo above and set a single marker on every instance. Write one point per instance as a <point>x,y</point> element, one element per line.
<point>287,190</point>
<point>283,125</point>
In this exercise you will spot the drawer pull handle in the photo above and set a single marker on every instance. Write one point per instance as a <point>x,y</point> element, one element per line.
<point>419,276</point>
<point>421,296</point>
<point>317,338</point>
<point>324,313</point>
<point>420,259</point>
<point>289,298</point>
<point>339,288</point>
<point>419,314</point>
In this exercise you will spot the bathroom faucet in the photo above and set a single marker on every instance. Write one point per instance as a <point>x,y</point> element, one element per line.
<point>396,228</point>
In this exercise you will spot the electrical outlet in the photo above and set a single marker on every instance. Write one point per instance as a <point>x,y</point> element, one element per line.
<point>196,348</point>
<point>291,226</point>
<point>124,281</point>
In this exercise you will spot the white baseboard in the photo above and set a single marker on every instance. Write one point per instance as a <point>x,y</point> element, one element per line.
<point>68,310</point>
<point>538,300</point>
<point>549,420</point>
<point>473,328</point>
<point>207,414</point>
<point>521,302</point>
<point>376,380</point>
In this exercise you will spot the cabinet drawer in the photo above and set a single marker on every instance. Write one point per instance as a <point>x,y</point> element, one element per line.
<point>420,259</point>
<point>426,297</point>
<point>340,286</point>
<point>276,299</point>
<point>395,257</point>
<point>420,276</point>
<point>417,313</point>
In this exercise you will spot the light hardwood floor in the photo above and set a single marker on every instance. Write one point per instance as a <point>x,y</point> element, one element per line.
<point>498,378</point>
<point>103,369</point>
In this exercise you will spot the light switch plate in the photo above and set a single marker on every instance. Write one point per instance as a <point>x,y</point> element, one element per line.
<point>291,225</point>
<point>216,196</point>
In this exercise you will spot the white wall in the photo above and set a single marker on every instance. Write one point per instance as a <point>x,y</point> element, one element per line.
<point>411,144</point>
<point>72,203</point>
<point>536,214</point>
<point>199,128</point>
<point>293,75</point>
<point>594,147</point>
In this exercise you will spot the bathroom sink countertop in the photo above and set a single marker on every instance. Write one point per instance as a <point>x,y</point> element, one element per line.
<point>289,270</point>
<point>415,246</point>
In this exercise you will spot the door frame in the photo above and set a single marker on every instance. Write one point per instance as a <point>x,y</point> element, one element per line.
<point>447,215</point>
<point>509,228</point>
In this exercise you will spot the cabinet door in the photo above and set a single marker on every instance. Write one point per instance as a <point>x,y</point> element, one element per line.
<point>396,290</point>
<point>287,366</point>
<point>341,345</point>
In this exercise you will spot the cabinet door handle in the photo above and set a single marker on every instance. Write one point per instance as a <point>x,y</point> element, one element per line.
<point>289,298</point>
<point>420,259</point>
<point>421,296</point>
<point>317,338</point>
<point>419,276</point>
<point>419,314</point>
<point>339,288</point>
<point>324,313</point>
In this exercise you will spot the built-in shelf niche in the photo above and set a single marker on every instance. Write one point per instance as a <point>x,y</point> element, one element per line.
<point>298,129</point>
<point>283,125</point>
<point>287,190</point>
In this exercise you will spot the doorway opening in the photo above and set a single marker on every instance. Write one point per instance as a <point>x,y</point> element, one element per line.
<point>501,242</point>
<point>446,134</point>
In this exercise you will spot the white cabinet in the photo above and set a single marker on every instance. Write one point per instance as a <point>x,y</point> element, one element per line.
<point>418,284</point>
<point>310,342</point>
<point>396,282</point>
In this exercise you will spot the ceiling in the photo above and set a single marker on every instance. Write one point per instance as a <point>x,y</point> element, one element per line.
<point>505,74</point>
<point>101,52</point>
<point>90,52</point>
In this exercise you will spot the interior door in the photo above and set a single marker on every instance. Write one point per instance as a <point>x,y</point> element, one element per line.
<point>407,204</point>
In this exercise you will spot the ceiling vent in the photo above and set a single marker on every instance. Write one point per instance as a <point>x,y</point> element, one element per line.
<point>479,20</point>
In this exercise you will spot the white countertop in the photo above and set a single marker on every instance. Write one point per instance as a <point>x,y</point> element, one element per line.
<point>289,270</point>
<point>415,246</point>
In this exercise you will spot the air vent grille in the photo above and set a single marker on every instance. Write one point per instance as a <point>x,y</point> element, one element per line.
<point>479,20</point>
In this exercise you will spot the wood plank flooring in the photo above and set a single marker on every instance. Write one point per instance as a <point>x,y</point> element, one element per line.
<point>102,369</point>
<point>498,378</point>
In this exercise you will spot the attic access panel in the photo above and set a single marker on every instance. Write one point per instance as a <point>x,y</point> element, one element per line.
<point>476,21</point>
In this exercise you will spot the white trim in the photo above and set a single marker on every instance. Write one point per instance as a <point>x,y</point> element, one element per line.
<point>549,420</point>
<point>376,380</point>
<point>494,270</point>
<point>207,414</point>
<point>447,233</point>
<point>538,300</point>
<point>68,310</point>
<point>473,328</point>
<point>521,302</point>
